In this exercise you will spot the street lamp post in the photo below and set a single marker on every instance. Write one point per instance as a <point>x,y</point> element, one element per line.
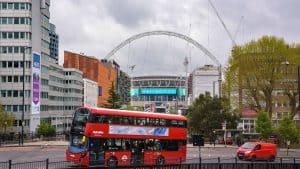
<point>298,86</point>
<point>23,98</point>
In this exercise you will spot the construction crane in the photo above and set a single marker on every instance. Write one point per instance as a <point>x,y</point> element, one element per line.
<point>225,27</point>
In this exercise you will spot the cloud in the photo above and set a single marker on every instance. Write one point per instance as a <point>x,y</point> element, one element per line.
<point>96,27</point>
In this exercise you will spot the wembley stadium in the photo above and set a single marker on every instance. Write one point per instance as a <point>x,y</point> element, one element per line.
<point>159,93</point>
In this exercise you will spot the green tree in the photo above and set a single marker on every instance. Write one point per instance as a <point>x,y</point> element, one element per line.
<point>287,130</point>
<point>113,101</point>
<point>46,129</point>
<point>208,113</point>
<point>6,119</point>
<point>263,125</point>
<point>257,67</point>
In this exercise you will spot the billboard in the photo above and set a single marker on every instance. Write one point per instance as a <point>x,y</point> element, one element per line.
<point>154,91</point>
<point>181,91</point>
<point>134,92</point>
<point>36,85</point>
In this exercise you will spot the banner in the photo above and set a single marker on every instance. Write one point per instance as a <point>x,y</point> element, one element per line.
<point>130,130</point>
<point>36,73</point>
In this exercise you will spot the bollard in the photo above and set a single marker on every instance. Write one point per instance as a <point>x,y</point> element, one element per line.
<point>200,162</point>
<point>219,163</point>
<point>235,160</point>
<point>9,164</point>
<point>47,163</point>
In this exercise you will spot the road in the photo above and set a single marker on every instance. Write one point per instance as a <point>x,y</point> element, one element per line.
<point>57,153</point>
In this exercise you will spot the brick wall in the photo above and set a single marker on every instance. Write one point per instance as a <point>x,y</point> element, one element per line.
<point>103,73</point>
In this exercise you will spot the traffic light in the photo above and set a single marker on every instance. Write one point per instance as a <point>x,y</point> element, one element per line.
<point>198,140</point>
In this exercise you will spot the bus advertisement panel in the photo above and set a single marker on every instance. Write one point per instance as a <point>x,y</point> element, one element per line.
<point>116,137</point>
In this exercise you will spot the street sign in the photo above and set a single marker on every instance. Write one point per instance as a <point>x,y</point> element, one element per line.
<point>198,140</point>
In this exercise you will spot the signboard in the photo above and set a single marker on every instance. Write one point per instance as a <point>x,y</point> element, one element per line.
<point>181,91</point>
<point>134,91</point>
<point>159,91</point>
<point>35,89</point>
<point>198,140</point>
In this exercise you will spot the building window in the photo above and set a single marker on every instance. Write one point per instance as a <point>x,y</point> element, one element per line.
<point>3,93</point>
<point>9,78</point>
<point>3,79</point>
<point>99,91</point>
<point>9,93</point>
<point>16,79</point>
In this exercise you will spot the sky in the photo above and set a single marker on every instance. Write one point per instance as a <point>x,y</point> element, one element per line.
<point>95,27</point>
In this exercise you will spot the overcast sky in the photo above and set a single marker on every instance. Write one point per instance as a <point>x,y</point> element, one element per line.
<point>95,27</point>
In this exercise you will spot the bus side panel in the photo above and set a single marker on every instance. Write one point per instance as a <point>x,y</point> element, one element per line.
<point>123,157</point>
<point>178,133</point>
<point>170,157</point>
<point>150,157</point>
<point>76,158</point>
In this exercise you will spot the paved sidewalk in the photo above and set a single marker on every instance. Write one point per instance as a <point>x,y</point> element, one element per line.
<point>39,143</point>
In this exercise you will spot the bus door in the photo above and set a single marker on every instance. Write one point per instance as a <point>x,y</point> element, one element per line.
<point>96,149</point>
<point>137,151</point>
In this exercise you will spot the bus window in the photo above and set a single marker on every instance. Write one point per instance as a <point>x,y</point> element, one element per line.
<point>116,120</point>
<point>162,122</point>
<point>98,118</point>
<point>181,124</point>
<point>80,119</point>
<point>114,144</point>
<point>141,121</point>
<point>172,123</point>
<point>125,120</point>
<point>78,141</point>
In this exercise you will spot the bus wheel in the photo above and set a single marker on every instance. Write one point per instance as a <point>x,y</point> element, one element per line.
<point>160,160</point>
<point>112,162</point>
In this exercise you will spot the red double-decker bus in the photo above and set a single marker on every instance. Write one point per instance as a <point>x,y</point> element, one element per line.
<point>111,137</point>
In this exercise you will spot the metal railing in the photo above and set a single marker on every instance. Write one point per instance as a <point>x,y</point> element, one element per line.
<point>13,138</point>
<point>199,163</point>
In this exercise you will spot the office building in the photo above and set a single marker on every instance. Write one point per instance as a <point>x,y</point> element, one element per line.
<point>103,72</point>
<point>54,42</point>
<point>48,95</point>
<point>205,79</point>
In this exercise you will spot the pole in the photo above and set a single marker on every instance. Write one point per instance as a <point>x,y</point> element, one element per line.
<point>298,87</point>
<point>23,98</point>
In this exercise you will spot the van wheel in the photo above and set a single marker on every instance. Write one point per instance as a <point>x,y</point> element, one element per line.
<point>253,158</point>
<point>160,160</point>
<point>272,158</point>
<point>112,162</point>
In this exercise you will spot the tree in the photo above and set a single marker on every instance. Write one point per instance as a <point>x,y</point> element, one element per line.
<point>113,101</point>
<point>208,113</point>
<point>287,130</point>
<point>46,129</point>
<point>6,119</point>
<point>263,125</point>
<point>256,68</point>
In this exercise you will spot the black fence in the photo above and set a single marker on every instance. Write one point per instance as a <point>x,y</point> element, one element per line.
<point>209,163</point>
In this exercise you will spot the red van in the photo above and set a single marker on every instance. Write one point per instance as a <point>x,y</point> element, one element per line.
<point>257,151</point>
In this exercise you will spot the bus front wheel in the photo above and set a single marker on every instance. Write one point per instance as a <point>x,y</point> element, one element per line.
<point>160,160</point>
<point>112,162</point>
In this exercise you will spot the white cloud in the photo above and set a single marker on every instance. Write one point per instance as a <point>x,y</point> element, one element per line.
<point>95,27</point>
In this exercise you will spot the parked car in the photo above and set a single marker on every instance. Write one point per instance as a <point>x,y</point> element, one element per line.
<point>257,151</point>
